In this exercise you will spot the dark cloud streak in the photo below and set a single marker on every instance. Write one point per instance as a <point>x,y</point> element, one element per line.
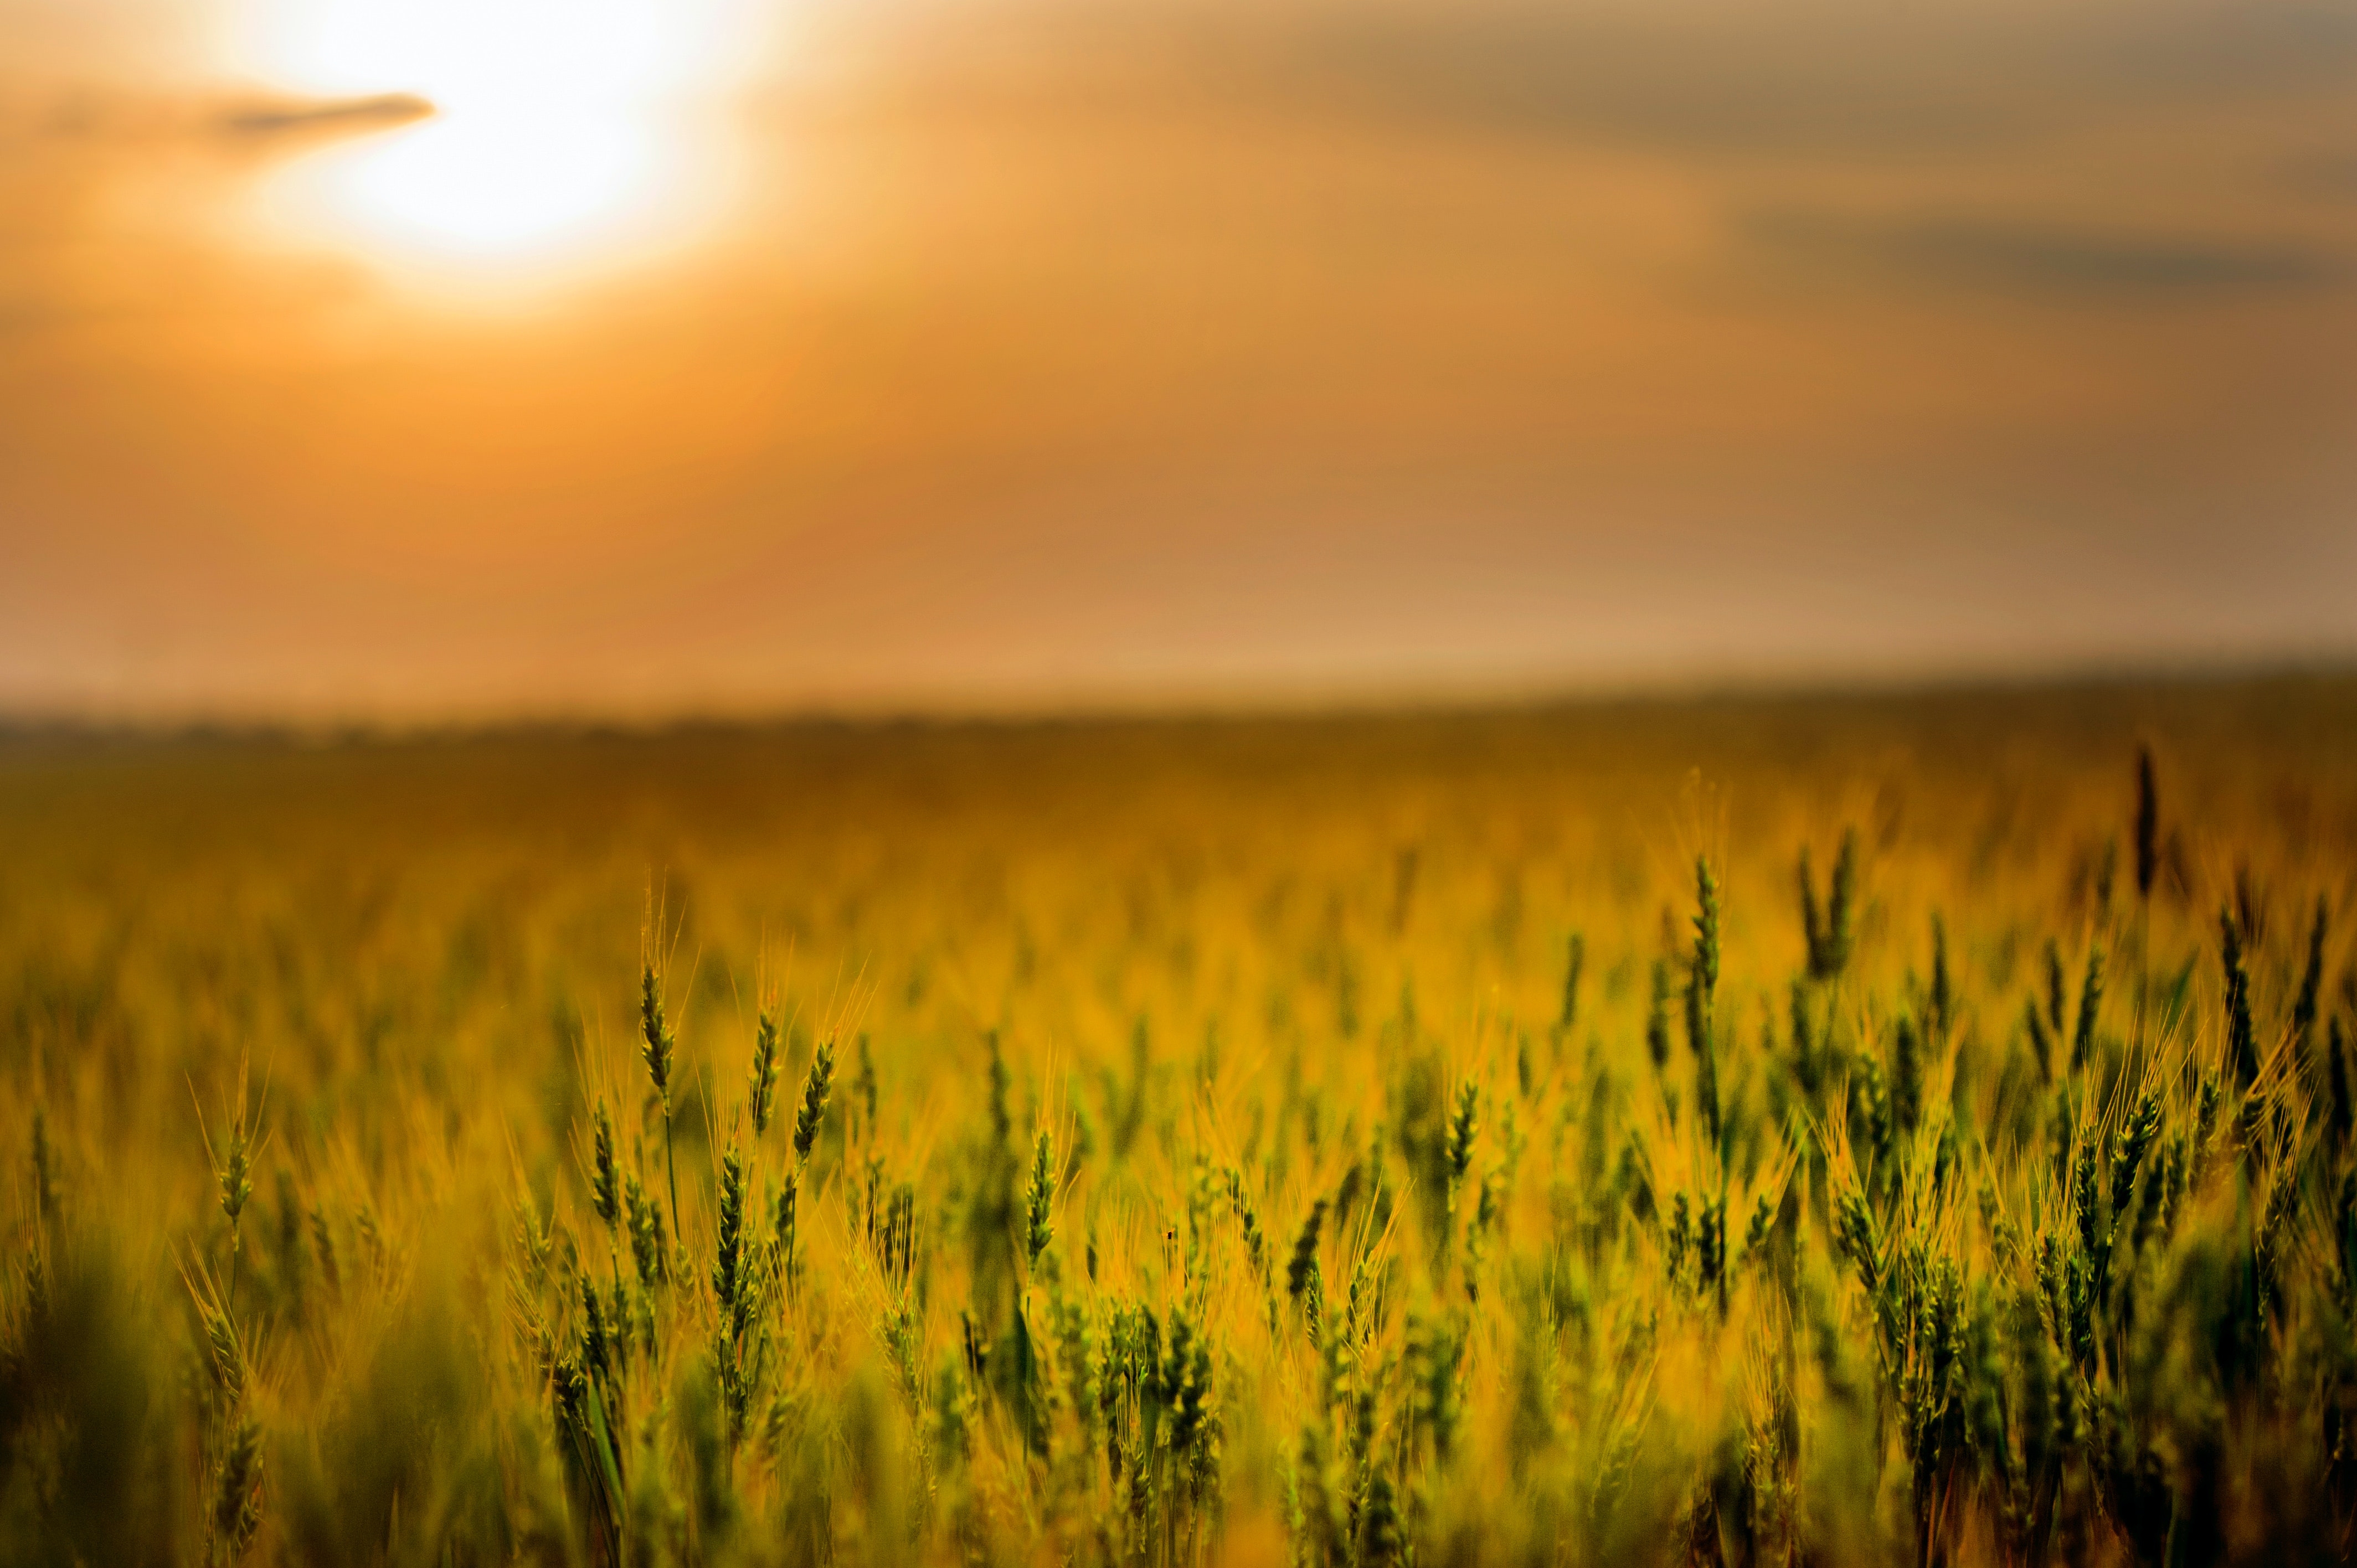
<point>344,116</point>
<point>1877,85</point>
<point>2023,256</point>
<point>100,118</point>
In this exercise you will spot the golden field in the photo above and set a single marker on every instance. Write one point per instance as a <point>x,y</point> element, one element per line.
<point>1172,1142</point>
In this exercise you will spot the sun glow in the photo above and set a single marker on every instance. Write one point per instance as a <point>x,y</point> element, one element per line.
<point>564,131</point>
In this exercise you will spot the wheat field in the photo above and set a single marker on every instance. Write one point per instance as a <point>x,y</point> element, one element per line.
<point>1901,1129</point>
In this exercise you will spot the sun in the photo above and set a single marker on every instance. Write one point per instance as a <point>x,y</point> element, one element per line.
<point>557,132</point>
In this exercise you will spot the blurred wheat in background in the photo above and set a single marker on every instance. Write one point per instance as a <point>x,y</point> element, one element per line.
<point>1903,1131</point>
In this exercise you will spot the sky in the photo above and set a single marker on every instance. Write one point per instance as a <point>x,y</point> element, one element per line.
<point>492,359</point>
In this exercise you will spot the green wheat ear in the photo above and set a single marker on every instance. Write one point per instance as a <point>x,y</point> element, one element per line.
<point>2041,1042</point>
<point>1462,1128</point>
<point>2058,987</point>
<point>1906,1077</point>
<point>1943,996</point>
<point>762,1090</point>
<point>2090,1002</point>
<point>649,1248</point>
<point>816,1089</point>
<point>1702,988</point>
<point>1828,933</point>
<point>605,1177</point>
<point>2148,824</point>
<point>1301,1281</point>
<point>657,1048</point>
<point>236,1512</point>
<point>657,1045</point>
<point>2242,1034</point>
<point>323,1247</point>
<point>782,1207</point>
<point>2311,979</point>
<point>2343,1101</point>
<point>1002,1126</point>
<point>2135,1142</point>
<point>1576,958</point>
<point>232,1174</point>
<point>863,1084</point>
<point>45,1170</point>
<point>1705,924</point>
<point>1657,1017</point>
<point>728,1272</point>
<point>1038,1228</point>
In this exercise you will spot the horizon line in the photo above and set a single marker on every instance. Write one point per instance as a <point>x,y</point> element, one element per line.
<point>1263,703</point>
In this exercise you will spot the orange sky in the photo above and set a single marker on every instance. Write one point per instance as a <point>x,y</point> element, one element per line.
<point>732,355</point>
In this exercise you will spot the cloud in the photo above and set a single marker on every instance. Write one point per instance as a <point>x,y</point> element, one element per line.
<point>339,116</point>
<point>1651,86</point>
<point>2324,175</point>
<point>34,114</point>
<point>1810,80</point>
<point>2277,46</point>
<point>2028,256</point>
<point>109,199</point>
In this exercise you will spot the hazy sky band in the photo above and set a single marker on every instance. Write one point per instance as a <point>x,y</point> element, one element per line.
<point>1011,353</point>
